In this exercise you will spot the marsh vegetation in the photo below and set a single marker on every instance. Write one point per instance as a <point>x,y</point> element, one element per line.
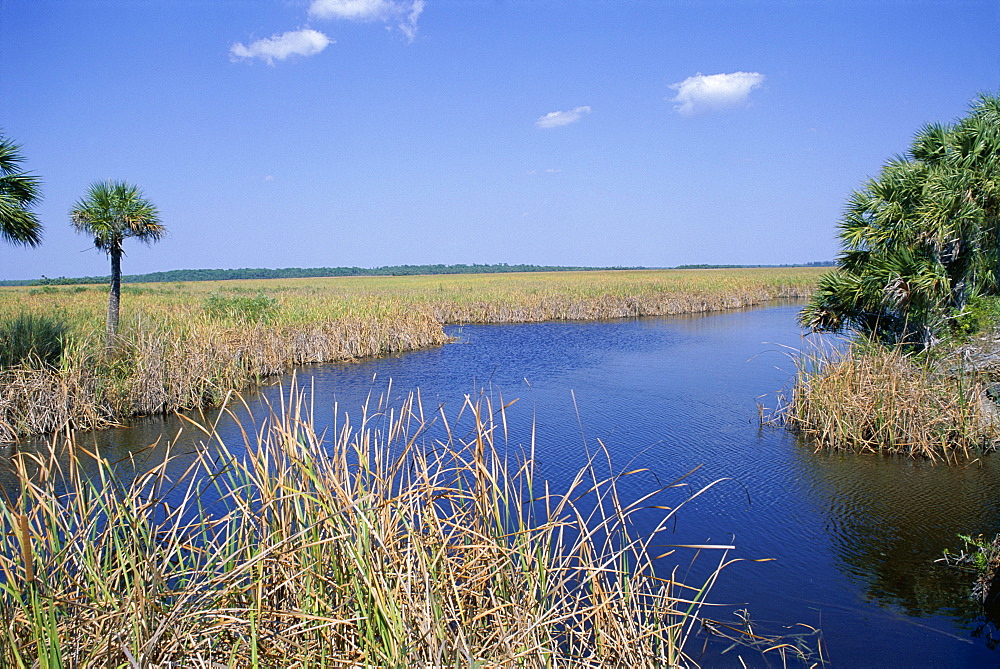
<point>886,400</point>
<point>182,346</point>
<point>920,260</point>
<point>397,542</point>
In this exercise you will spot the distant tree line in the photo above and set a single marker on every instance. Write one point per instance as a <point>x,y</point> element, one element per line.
<point>319,272</point>
<point>820,263</point>
<point>305,273</point>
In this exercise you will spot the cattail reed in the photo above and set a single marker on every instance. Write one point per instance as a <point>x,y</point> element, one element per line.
<point>396,544</point>
<point>876,399</point>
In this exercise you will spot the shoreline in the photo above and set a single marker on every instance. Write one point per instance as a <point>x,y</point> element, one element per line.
<point>179,360</point>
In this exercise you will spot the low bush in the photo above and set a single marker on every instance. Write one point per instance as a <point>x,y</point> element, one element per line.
<point>981,557</point>
<point>981,313</point>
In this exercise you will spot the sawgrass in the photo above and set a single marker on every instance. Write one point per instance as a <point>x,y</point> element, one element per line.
<point>185,345</point>
<point>397,543</point>
<point>870,398</point>
<point>31,340</point>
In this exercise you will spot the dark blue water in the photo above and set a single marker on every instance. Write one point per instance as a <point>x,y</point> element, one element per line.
<point>851,540</point>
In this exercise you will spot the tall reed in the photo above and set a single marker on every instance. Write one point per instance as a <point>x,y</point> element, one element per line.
<point>167,364</point>
<point>399,544</point>
<point>877,399</point>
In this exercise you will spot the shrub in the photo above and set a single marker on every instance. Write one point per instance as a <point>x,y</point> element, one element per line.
<point>981,313</point>
<point>31,340</point>
<point>260,308</point>
<point>980,556</point>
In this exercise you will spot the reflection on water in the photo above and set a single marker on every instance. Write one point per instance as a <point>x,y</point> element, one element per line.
<point>886,516</point>
<point>137,448</point>
<point>854,537</point>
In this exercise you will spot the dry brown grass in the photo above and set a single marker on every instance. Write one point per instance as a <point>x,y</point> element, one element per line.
<point>173,365</point>
<point>388,547</point>
<point>175,353</point>
<point>877,399</point>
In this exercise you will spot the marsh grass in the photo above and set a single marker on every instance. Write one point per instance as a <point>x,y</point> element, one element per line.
<point>31,340</point>
<point>164,364</point>
<point>870,398</point>
<point>185,345</point>
<point>396,543</point>
<point>259,308</point>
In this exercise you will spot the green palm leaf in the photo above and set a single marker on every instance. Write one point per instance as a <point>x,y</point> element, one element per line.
<point>19,191</point>
<point>921,237</point>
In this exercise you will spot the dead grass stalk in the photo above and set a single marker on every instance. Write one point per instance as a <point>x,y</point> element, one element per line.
<point>388,547</point>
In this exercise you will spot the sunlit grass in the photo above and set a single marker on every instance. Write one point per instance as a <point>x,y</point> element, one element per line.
<point>388,546</point>
<point>870,398</point>
<point>184,345</point>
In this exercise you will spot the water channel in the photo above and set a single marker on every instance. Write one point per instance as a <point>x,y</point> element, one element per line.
<point>853,538</point>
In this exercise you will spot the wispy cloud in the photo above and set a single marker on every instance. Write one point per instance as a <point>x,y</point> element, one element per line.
<point>402,13</point>
<point>559,118</point>
<point>304,42</point>
<point>704,93</point>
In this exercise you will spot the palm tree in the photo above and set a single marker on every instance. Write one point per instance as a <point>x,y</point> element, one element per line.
<point>18,192</point>
<point>111,212</point>
<point>921,238</point>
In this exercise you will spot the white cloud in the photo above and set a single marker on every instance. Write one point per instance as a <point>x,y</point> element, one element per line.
<point>404,13</point>
<point>357,10</point>
<point>560,118</point>
<point>711,92</point>
<point>409,27</point>
<point>304,42</point>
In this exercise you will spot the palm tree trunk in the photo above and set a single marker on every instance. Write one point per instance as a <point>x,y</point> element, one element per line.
<point>114,298</point>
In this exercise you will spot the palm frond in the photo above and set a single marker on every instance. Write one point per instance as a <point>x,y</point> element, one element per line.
<point>19,191</point>
<point>922,236</point>
<point>113,211</point>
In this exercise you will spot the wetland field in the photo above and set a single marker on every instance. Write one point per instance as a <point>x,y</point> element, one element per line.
<point>564,470</point>
<point>185,345</point>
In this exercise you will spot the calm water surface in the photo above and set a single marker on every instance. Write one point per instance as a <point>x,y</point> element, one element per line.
<point>853,538</point>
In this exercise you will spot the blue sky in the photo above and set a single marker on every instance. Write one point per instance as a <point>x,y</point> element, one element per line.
<point>303,133</point>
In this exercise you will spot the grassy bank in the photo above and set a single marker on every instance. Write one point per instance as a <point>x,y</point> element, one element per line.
<point>386,548</point>
<point>870,398</point>
<point>185,345</point>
